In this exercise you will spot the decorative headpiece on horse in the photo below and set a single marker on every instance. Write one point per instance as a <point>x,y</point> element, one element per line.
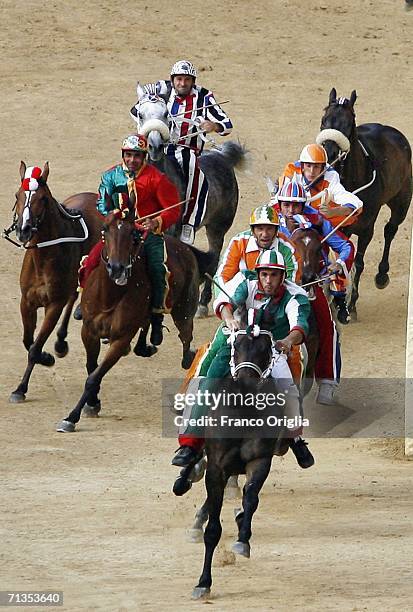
<point>31,178</point>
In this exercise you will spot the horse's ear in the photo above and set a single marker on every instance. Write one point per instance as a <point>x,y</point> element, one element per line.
<point>333,96</point>
<point>139,90</point>
<point>22,169</point>
<point>353,97</point>
<point>45,172</point>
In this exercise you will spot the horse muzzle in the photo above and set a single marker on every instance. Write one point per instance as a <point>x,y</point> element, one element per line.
<point>26,233</point>
<point>117,272</point>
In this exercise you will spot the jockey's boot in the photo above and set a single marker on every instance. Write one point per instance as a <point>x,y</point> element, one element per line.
<point>343,314</point>
<point>187,234</point>
<point>326,392</point>
<point>185,455</point>
<point>303,455</point>
<point>156,331</point>
<point>77,314</point>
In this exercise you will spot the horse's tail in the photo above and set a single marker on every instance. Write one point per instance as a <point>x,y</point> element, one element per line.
<point>207,261</point>
<point>236,155</point>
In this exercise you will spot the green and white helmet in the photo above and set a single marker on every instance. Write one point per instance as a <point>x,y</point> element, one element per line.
<point>264,215</point>
<point>272,259</point>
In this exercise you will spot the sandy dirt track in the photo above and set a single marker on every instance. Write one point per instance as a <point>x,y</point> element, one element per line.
<point>92,513</point>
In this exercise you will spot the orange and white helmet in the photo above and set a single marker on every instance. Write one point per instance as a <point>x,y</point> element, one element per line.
<point>313,154</point>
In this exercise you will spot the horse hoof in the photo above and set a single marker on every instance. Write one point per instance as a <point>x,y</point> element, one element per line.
<point>91,411</point>
<point>196,536</point>
<point>46,359</point>
<point>145,351</point>
<point>65,426</point>
<point>17,398</point>
<point>242,548</point>
<point>187,359</point>
<point>381,280</point>
<point>201,593</point>
<point>202,312</point>
<point>181,486</point>
<point>61,349</point>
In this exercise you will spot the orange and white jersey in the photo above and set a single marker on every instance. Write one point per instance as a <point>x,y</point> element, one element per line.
<point>243,252</point>
<point>337,194</point>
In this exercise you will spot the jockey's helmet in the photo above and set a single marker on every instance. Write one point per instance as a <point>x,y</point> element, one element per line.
<point>292,191</point>
<point>272,259</point>
<point>183,67</point>
<point>135,142</point>
<point>264,215</point>
<point>313,154</point>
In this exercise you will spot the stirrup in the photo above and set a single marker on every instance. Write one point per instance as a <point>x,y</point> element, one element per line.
<point>187,234</point>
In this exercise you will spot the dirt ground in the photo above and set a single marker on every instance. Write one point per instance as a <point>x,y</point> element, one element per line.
<point>92,513</point>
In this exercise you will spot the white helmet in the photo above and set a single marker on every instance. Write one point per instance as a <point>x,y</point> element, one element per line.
<point>183,67</point>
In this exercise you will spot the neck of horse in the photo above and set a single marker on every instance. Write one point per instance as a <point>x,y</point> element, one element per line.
<point>354,167</point>
<point>53,225</point>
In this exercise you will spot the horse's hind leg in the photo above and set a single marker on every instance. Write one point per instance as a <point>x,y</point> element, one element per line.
<point>142,349</point>
<point>185,328</point>
<point>399,207</point>
<point>215,483</point>
<point>61,347</point>
<point>35,354</point>
<point>257,472</point>
<point>195,534</point>
<point>215,235</point>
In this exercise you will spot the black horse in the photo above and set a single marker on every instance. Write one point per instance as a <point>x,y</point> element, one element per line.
<point>378,167</point>
<point>247,454</point>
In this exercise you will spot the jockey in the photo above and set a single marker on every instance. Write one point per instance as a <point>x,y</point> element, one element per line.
<point>245,248</point>
<point>153,192</point>
<point>192,109</point>
<point>291,201</point>
<point>292,205</point>
<point>335,202</point>
<point>289,306</point>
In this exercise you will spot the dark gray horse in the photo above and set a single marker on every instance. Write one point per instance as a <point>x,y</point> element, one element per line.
<point>152,117</point>
<point>378,167</point>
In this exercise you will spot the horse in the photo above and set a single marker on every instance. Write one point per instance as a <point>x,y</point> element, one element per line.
<point>153,120</point>
<point>252,358</point>
<point>116,303</point>
<point>378,167</point>
<point>55,237</point>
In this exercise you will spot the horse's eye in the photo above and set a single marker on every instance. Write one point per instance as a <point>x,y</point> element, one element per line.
<point>140,115</point>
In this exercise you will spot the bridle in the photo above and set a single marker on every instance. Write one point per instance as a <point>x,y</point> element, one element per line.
<point>138,242</point>
<point>235,368</point>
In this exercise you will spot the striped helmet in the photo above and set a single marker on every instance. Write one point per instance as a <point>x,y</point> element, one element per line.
<point>183,67</point>
<point>264,215</point>
<point>270,258</point>
<point>292,191</point>
<point>135,142</point>
<point>313,154</point>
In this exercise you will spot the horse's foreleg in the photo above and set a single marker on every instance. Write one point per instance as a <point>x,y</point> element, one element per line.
<point>399,207</point>
<point>35,354</point>
<point>215,484</point>
<point>61,347</point>
<point>116,351</point>
<point>362,244</point>
<point>92,346</point>
<point>257,472</point>
<point>186,329</point>
<point>29,319</point>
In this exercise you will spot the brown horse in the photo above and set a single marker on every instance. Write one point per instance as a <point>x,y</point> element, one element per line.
<point>56,236</point>
<point>116,303</point>
<point>307,242</point>
<point>378,167</point>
